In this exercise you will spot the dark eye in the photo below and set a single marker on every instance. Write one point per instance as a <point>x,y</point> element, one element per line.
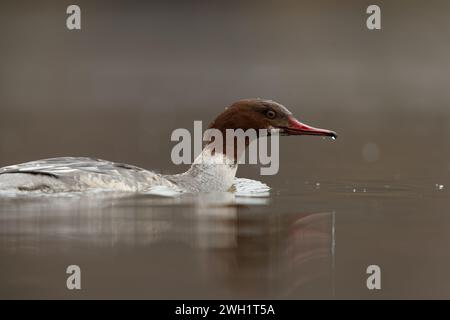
<point>270,114</point>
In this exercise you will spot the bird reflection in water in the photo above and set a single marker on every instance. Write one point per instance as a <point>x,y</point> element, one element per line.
<point>218,245</point>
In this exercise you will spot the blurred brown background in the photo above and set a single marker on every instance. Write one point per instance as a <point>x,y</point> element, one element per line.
<point>139,69</point>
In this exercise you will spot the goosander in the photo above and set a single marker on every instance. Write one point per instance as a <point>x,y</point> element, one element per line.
<point>207,173</point>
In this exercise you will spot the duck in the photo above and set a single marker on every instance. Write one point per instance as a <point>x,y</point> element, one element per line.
<point>211,171</point>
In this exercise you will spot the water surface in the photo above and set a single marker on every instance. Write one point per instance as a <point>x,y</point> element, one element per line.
<point>311,241</point>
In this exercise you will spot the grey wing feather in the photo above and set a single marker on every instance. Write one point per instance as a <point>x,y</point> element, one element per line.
<point>76,173</point>
<point>68,165</point>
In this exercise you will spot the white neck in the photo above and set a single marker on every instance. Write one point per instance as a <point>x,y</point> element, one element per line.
<point>208,173</point>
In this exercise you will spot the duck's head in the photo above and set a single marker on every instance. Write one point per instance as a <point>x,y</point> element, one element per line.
<point>264,114</point>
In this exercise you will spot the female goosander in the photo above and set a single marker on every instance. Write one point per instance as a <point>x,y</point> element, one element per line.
<point>207,173</point>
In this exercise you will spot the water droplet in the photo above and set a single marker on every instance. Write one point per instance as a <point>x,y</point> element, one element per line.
<point>333,137</point>
<point>354,190</point>
<point>439,186</point>
<point>317,184</point>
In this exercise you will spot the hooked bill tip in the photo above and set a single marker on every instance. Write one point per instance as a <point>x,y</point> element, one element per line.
<point>333,135</point>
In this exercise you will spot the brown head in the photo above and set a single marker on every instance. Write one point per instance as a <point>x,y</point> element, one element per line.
<point>264,114</point>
